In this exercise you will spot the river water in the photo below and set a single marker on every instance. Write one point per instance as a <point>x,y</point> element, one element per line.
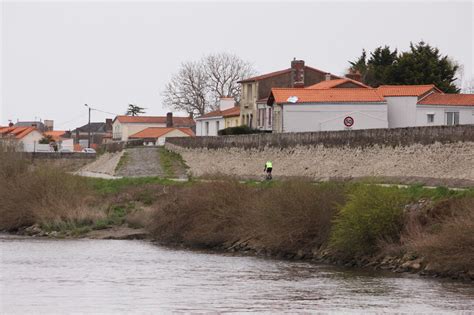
<point>112,276</point>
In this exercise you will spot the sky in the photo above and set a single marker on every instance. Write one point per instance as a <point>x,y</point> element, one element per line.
<point>58,56</point>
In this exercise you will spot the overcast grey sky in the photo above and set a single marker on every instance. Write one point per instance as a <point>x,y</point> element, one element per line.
<point>56,56</point>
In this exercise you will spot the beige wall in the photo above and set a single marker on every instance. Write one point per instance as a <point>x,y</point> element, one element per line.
<point>232,121</point>
<point>249,106</point>
<point>450,161</point>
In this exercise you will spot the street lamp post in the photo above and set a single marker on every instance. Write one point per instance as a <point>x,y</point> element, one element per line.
<point>88,127</point>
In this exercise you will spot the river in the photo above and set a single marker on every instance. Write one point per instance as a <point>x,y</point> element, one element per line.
<point>114,276</point>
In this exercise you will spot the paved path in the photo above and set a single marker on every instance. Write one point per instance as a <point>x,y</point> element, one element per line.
<point>140,162</point>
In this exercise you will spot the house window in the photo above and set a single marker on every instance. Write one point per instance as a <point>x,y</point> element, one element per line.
<point>207,128</point>
<point>269,116</point>
<point>261,117</point>
<point>430,118</point>
<point>249,93</point>
<point>217,126</point>
<point>452,118</point>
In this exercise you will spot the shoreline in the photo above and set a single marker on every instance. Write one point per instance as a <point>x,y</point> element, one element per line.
<point>249,247</point>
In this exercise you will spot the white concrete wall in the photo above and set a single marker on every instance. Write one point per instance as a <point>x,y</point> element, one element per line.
<point>30,141</point>
<point>466,114</point>
<point>174,133</point>
<point>67,144</point>
<point>201,126</point>
<point>401,111</point>
<point>326,117</point>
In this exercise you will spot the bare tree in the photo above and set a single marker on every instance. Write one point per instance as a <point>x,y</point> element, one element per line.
<point>224,71</point>
<point>188,89</point>
<point>197,86</point>
<point>469,86</point>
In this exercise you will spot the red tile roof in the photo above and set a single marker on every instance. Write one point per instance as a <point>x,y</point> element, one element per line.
<point>231,112</point>
<point>16,132</point>
<point>280,72</point>
<point>448,99</point>
<point>179,121</point>
<point>342,95</point>
<point>156,132</point>
<point>406,90</point>
<point>329,84</point>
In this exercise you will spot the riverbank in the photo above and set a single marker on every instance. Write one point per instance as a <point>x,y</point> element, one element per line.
<point>409,229</point>
<point>427,231</point>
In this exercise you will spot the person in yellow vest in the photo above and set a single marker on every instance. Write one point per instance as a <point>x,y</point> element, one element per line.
<point>268,168</point>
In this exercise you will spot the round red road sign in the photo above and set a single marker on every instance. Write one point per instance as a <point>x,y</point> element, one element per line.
<point>348,121</point>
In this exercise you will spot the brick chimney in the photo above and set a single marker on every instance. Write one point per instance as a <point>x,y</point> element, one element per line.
<point>297,73</point>
<point>169,120</point>
<point>354,76</point>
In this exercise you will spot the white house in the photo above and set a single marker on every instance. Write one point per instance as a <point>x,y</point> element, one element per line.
<point>125,126</point>
<point>26,137</point>
<point>228,115</point>
<point>426,105</point>
<point>445,109</point>
<point>157,135</point>
<point>343,104</point>
<point>302,110</point>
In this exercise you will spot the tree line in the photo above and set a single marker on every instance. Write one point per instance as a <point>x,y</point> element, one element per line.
<point>421,64</point>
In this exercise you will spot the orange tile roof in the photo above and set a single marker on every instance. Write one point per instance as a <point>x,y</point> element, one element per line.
<point>342,95</point>
<point>183,121</point>
<point>448,99</point>
<point>406,90</point>
<point>329,84</point>
<point>156,132</point>
<point>16,132</point>
<point>55,134</point>
<point>231,112</point>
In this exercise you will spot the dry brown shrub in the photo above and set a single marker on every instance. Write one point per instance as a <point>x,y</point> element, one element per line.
<point>42,195</point>
<point>445,235</point>
<point>295,215</point>
<point>286,217</point>
<point>203,215</point>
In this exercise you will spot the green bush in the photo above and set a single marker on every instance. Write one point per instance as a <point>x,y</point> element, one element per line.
<point>240,130</point>
<point>372,214</point>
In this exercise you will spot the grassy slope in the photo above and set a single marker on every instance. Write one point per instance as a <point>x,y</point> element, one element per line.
<point>171,162</point>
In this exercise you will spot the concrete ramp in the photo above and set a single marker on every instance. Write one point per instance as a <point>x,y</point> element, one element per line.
<point>140,162</point>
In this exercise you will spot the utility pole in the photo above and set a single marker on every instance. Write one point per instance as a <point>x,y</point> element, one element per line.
<point>88,127</point>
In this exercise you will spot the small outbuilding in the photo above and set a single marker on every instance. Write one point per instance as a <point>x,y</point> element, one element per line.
<point>328,109</point>
<point>153,136</point>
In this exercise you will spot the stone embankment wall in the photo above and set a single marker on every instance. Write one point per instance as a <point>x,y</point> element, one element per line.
<point>422,152</point>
